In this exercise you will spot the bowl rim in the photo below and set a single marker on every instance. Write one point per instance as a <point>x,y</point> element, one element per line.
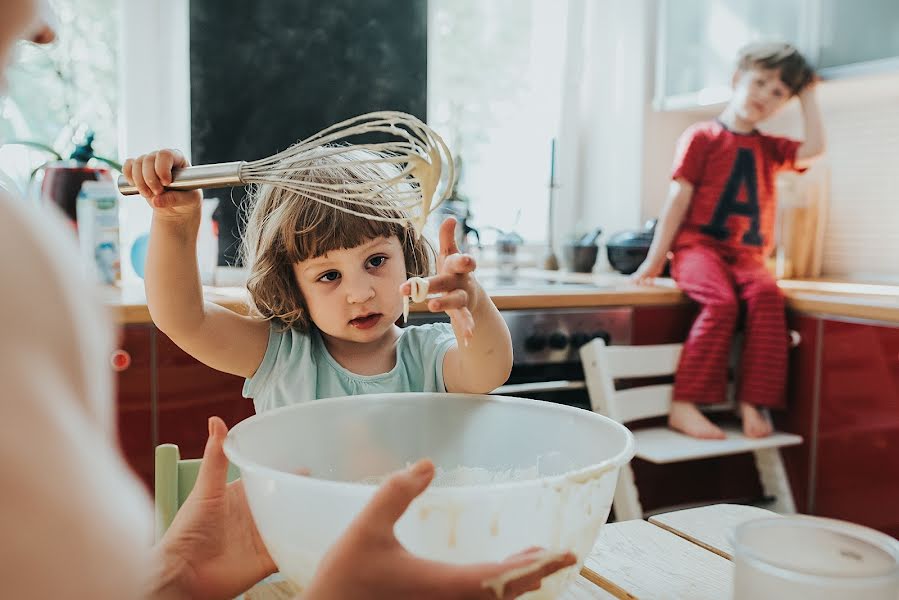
<point>585,473</point>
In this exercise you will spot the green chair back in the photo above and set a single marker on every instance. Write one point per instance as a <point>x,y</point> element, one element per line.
<point>174,479</point>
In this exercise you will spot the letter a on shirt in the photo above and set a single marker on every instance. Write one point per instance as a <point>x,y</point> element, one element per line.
<point>742,177</point>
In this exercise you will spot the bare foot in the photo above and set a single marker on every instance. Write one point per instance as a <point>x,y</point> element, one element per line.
<point>686,418</point>
<point>755,424</point>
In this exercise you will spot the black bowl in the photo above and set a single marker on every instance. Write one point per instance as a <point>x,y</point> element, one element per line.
<point>580,259</point>
<point>626,259</point>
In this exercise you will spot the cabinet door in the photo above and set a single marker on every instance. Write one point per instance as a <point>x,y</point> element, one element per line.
<point>134,400</point>
<point>662,324</point>
<point>857,32</point>
<point>857,475</point>
<point>699,41</point>
<point>798,418</point>
<point>189,393</point>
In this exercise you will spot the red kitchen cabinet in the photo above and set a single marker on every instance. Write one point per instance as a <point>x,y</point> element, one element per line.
<point>189,393</point>
<point>662,324</point>
<point>802,388</point>
<point>857,467</point>
<point>133,361</point>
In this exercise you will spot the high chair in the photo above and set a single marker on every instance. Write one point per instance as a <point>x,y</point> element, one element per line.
<point>174,479</point>
<point>603,365</point>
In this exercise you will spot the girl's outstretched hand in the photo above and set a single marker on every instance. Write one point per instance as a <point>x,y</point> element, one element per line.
<point>455,284</point>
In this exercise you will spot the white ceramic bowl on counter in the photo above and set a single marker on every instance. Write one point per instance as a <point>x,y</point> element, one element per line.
<point>511,473</point>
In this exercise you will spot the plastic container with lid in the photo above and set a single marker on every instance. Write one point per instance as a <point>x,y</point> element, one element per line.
<point>812,557</point>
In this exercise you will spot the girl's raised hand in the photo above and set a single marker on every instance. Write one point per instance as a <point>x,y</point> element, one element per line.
<point>150,173</point>
<point>454,284</point>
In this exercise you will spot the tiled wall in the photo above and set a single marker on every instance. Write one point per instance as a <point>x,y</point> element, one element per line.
<point>862,236</point>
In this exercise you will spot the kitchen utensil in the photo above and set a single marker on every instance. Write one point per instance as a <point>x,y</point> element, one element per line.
<point>590,238</point>
<point>628,249</point>
<point>580,259</point>
<point>511,473</point>
<point>550,261</point>
<point>811,557</point>
<point>405,171</point>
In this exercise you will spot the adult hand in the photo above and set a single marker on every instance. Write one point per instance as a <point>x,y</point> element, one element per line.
<point>212,549</point>
<point>369,562</point>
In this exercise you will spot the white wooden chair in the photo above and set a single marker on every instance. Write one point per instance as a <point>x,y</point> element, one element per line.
<point>603,365</point>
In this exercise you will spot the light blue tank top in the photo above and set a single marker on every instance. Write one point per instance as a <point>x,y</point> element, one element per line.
<point>297,367</point>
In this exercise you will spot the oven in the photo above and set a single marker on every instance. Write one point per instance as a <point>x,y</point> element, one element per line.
<point>545,343</point>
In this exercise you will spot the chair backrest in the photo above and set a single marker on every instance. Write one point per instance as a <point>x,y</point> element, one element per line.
<point>174,480</point>
<point>604,364</point>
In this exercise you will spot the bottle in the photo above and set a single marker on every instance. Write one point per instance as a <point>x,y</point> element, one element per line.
<point>97,210</point>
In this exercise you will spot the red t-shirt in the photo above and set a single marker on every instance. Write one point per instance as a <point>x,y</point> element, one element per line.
<point>734,199</point>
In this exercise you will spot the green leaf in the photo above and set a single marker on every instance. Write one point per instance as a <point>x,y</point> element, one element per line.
<point>37,145</point>
<point>115,165</point>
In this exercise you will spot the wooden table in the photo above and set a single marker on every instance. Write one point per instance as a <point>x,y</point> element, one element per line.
<point>683,554</point>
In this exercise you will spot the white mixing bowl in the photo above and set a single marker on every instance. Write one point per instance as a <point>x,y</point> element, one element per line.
<point>511,473</point>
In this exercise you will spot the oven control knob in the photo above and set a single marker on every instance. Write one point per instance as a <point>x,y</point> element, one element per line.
<point>601,334</point>
<point>579,339</point>
<point>558,340</point>
<point>535,342</point>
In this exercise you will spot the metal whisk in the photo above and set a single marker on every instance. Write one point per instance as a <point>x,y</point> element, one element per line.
<point>406,170</point>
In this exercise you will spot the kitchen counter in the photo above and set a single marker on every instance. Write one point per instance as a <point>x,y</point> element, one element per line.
<point>547,289</point>
<point>843,299</point>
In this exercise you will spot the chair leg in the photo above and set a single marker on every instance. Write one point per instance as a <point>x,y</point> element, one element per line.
<point>774,479</point>
<point>626,502</point>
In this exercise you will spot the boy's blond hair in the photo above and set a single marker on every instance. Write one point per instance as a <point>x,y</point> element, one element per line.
<point>284,227</point>
<point>795,71</point>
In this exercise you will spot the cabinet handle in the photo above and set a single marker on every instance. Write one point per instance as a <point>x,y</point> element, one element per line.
<point>120,360</point>
<point>795,338</point>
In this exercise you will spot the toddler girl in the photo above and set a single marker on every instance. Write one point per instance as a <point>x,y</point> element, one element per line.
<point>326,292</point>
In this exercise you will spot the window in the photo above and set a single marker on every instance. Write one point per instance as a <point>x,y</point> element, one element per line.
<point>59,91</point>
<point>494,94</point>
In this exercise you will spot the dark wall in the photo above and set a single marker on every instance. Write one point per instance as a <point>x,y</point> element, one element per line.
<point>266,74</point>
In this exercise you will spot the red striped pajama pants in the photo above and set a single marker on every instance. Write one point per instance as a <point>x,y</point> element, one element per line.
<point>723,281</point>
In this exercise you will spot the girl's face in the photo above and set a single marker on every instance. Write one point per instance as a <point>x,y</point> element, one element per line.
<point>353,294</point>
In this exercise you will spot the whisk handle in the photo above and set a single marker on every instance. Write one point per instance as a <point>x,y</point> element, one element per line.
<point>215,175</point>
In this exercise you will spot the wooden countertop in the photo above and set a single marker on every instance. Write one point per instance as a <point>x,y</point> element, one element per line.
<point>831,298</point>
<point>843,299</point>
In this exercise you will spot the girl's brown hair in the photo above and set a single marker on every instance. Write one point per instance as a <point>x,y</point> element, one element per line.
<point>284,227</point>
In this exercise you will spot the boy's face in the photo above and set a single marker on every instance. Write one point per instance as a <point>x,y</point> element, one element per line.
<point>353,294</point>
<point>758,94</point>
